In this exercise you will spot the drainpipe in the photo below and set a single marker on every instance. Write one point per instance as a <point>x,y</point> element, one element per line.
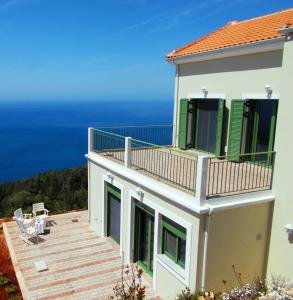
<point>205,247</point>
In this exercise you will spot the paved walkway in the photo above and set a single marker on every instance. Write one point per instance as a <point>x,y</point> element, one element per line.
<point>81,264</point>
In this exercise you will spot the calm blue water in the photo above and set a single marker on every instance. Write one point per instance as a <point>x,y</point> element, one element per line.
<point>41,136</point>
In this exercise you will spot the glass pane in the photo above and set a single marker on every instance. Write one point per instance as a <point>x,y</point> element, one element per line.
<point>207,125</point>
<point>114,222</point>
<point>212,138</point>
<point>144,238</point>
<point>202,126</point>
<point>170,243</point>
<point>182,250</point>
<point>265,109</point>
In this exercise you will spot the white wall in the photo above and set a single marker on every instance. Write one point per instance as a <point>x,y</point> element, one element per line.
<point>281,250</point>
<point>231,76</point>
<point>162,276</point>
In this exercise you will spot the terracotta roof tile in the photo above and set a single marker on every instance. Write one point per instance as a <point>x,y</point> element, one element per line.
<point>236,33</point>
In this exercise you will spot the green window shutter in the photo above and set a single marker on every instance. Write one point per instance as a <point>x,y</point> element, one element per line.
<point>183,117</point>
<point>235,129</point>
<point>220,120</point>
<point>273,126</point>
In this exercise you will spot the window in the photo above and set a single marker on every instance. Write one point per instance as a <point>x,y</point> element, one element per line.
<point>174,241</point>
<point>201,124</point>
<point>252,128</point>
<point>113,212</point>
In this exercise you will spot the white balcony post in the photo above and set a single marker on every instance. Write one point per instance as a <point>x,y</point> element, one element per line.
<point>90,139</point>
<point>201,179</point>
<point>127,154</point>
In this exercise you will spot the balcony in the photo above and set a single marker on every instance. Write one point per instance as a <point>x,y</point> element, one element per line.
<point>149,150</point>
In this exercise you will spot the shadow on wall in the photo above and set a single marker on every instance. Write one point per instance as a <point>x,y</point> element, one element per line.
<point>266,60</point>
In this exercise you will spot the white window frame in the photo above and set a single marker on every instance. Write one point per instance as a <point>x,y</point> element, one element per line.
<point>182,274</point>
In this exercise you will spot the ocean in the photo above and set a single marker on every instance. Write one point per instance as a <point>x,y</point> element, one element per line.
<point>39,136</point>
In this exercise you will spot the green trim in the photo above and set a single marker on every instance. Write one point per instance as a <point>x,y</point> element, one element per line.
<point>235,129</point>
<point>174,228</point>
<point>144,267</point>
<point>183,123</point>
<point>141,209</point>
<point>114,190</point>
<point>180,234</point>
<point>144,207</point>
<point>220,118</point>
<point>273,126</point>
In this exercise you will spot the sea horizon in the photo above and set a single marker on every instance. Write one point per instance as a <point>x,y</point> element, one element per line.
<point>40,136</point>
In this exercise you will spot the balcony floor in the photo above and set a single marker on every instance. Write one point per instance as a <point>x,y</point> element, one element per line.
<point>225,177</point>
<point>81,264</point>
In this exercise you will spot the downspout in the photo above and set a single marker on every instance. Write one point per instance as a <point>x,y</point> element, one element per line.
<point>205,247</point>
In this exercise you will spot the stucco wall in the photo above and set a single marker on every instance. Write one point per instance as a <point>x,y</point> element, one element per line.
<point>168,284</point>
<point>163,277</point>
<point>281,250</point>
<point>230,76</point>
<point>238,236</point>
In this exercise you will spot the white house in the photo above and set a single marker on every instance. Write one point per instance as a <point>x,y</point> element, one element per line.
<point>189,200</point>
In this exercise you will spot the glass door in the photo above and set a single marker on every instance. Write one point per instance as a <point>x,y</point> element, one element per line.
<point>261,127</point>
<point>114,211</point>
<point>144,236</point>
<point>206,125</point>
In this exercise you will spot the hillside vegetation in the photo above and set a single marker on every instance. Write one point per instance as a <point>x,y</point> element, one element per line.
<point>60,190</point>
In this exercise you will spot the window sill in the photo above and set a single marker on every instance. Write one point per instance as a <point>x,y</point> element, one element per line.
<point>172,267</point>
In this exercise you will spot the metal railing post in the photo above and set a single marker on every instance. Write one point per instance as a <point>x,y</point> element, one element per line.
<point>127,153</point>
<point>201,179</point>
<point>90,139</point>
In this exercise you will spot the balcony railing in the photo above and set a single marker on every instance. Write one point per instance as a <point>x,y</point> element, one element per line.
<point>159,160</point>
<point>149,150</point>
<point>249,173</point>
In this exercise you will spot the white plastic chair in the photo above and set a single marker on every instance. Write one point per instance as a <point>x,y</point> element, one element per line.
<point>27,232</point>
<point>40,208</point>
<point>25,218</point>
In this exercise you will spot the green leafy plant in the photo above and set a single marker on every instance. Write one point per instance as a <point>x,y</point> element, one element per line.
<point>11,289</point>
<point>4,280</point>
<point>15,297</point>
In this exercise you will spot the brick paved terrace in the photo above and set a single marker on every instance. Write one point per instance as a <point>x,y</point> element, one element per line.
<point>81,264</point>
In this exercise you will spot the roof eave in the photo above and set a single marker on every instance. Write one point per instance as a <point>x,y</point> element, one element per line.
<point>248,48</point>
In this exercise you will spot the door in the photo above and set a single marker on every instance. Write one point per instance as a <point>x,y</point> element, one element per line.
<point>206,125</point>
<point>144,236</point>
<point>114,212</point>
<point>261,125</point>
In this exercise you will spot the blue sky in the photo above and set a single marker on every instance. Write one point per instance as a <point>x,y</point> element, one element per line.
<point>108,49</point>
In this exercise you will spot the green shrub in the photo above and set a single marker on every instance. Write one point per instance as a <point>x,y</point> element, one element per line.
<point>3,280</point>
<point>11,289</point>
<point>15,297</point>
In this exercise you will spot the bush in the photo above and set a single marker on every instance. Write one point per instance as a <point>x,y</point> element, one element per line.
<point>11,289</point>
<point>60,190</point>
<point>3,279</point>
<point>254,289</point>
